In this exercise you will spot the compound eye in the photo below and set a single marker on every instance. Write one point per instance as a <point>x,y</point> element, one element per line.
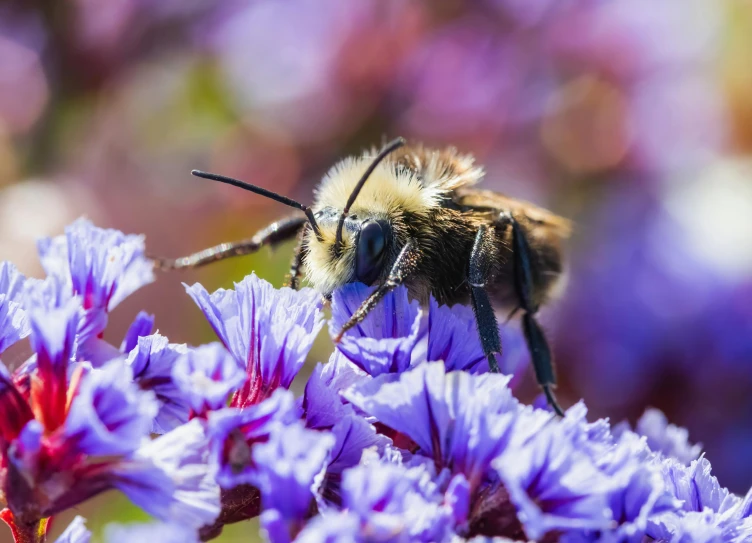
<point>370,252</point>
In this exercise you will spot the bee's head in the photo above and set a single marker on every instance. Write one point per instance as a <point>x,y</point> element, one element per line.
<point>364,254</point>
<point>350,241</point>
<point>359,240</point>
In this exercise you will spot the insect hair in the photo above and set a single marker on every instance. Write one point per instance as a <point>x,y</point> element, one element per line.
<point>386,151</point>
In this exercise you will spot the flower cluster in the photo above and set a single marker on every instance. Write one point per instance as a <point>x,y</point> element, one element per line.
<point>76,416</point>
<point>403,435</point>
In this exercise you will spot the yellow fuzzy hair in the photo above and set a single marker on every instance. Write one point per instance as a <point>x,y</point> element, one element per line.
<point>388,193</point>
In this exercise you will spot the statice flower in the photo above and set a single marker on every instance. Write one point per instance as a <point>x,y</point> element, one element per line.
<point>109,415</point>
<point>353,435</point>
<point>338,528</point>
<point>459,423</point>
<point>170,477</point>
<point>77,431</point>
<point>322,404</point>
<point>142,325</point>
<point>665,438</point>
<point>395,335</point>
<point>385,444</point>
<point>162,532</point>
<point>235,432</point>
<point>554,485</point>
<point>388,501</point>
<point>75,532</point>
<point>385,500</point>
<point>205,377</point>
<point>101,266</point>
<point>705,511</point>
<point>636,491</point>
<point>386,339</point>
<point>151,360</point>
<point>695,486</point>
<point>289,467</point>
<point>13,322</point>
<point>268,331</point>
<point>457,420</point>
<point>452,337</point>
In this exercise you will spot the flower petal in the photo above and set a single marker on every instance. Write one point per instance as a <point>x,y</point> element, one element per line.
<point>385,341</point>
<point>206,375</point>
<point>152,362</point>
<point>110,415</point>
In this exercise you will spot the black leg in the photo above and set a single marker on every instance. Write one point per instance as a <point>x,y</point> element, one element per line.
<point>479,274</point>
<point>296,266</point>
<point>405,265</point>
<point>276,232</point>
<point>536,339</point>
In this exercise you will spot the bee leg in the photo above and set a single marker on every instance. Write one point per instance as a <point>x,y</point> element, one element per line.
<point>405,265</point>
<point>273,234</point>
<point>536,339</point>
<point>479,273</point>
<point>296,266</point>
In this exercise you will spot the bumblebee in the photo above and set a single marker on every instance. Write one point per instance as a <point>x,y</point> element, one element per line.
<point>412,216</point>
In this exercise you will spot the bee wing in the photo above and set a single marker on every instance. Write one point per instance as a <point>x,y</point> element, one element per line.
<point>484,201</point>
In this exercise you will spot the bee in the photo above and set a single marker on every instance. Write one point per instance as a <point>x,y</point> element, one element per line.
<point>412,216</point>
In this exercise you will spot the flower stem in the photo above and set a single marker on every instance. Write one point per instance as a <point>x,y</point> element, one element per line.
<point>240,503</point>
<point>35,532</point>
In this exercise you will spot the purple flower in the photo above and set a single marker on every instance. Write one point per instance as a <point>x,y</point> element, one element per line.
<point>352,436</point>
<point>152,361</point>
<point>97,446</point>
<point>732,523</point>
<point>322,404</point>
<point>336,528</point>
<point>554,484</point>
<point>665,438</point>
<point>396,503</point>
<point>102,266</point>
<point>234,433</point>
<point>386,340</point>
<point>13,323</point>
<point>637,492</point>
<point>53,293</point>
<point>695,527</point>
<point>141,326</point>
<point>76,532</point>
<point>458,420</point>
<point>453,338</point>
<point>206,375</point>
<point>109,414</point>
<point>156,531</point>
<point>695,487</point>
<point>289,469</point>
<point>53,338</point>
<point>170,477</point>
<point>268,331</point>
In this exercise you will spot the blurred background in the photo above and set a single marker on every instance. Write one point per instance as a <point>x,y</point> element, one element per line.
<point>631,117</point>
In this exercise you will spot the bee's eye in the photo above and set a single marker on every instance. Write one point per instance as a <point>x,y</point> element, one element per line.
<point>370,252</point>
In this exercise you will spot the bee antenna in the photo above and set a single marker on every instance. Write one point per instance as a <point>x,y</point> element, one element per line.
<point>263,192</point>
<point>386,151</point>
